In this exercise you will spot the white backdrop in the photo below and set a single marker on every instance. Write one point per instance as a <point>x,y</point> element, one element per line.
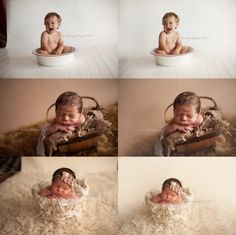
<point>84,22</point>
<point>206,25</point>
<point>210,179</point>
<point>77,164</point>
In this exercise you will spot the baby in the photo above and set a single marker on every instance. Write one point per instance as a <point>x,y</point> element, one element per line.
<point>170,40</point>
<point>68,108</point>
<point>52,40</point>
<point>187,113</point>
<point>170,194</point>
<point>63,181</point>
<point>69,115</point>
<point>187,118</point>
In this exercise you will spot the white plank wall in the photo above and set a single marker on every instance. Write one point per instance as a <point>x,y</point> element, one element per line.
<point>89,62</point>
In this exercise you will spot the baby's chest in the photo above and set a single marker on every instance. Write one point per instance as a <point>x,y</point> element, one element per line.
<point>53,39</point>
<point>171,39</point>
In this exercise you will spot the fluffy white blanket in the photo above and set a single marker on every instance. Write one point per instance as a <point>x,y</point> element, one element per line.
<point>205,217</point>
<point>19,214</point>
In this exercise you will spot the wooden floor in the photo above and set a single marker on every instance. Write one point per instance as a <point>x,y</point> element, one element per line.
<point>92,62</point>
<point>199,67</point>
<point>102,62</point>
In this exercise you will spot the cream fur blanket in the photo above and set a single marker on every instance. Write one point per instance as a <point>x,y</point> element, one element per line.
<point>205,218</point>
<point>19,213</point>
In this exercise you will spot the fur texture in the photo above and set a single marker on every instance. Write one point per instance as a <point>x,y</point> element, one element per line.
<point>20,216</point>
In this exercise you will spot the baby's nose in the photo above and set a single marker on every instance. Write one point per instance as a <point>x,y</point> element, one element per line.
<point>65,117</point>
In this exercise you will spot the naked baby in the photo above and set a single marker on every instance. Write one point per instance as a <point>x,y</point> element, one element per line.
<point>169,39</point>
<point>52,42</point>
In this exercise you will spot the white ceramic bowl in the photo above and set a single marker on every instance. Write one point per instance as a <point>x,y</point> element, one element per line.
<point>173,60</point>
<point>55,60</point>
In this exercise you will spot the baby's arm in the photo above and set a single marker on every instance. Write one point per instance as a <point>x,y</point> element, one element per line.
<point>56,127</point>
<point>156,198</point>
<point>162,43</point>
<point>171,128</point>
<point>44,42</point>
<point>60,46</point>
<point>45,192</point>
<point>178,46</point>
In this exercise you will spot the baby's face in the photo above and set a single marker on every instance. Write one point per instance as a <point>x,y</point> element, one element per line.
<point>169,196</point>
<point>52,24</point>
<point>185,115</point>
<point>61,189</point>
<point>170,24</point>
<point>67,115</point>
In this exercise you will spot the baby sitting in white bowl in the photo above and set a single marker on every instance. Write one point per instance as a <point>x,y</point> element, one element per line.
<point>170,40</point>
<point>52,42</point>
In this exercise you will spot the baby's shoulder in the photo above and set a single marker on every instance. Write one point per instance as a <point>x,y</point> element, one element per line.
<point>44,34</point>
<point>162,34</point>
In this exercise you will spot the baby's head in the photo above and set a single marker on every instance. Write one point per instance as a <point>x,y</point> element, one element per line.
<point>63,181</point>
<point>170,22</point>
<point>171,191</point>
<point>52,21</point>
<point>187,107</point>
<point>68,108</point>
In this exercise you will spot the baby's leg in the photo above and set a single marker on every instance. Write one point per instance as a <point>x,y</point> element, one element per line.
<point>43,52</point>
<point>184,49</point>
<point>66,49</point>
<point>160,52</point>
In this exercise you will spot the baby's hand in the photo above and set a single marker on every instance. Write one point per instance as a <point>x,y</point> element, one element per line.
<point>51,196</point>
<point>58,52</point>
<point>156,199</point>
<point>175,51</point>
<point>184,128</point>
<point>56,127</point>
<point>174,127</point>
<point>66,128</point>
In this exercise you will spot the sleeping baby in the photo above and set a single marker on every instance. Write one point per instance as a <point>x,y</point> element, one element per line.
<point>171,192</point>
<point>63,181</point>
<point>170,206</point>
<point>62,198</point>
